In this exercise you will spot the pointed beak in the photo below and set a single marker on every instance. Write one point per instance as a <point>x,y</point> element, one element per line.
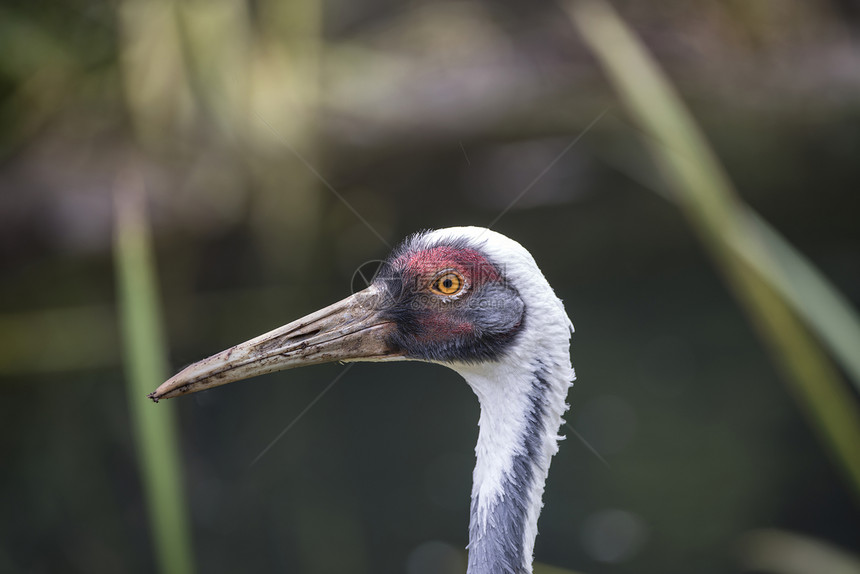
<point>350,330</point>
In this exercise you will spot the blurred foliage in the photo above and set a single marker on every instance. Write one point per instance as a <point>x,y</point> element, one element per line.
<point>777,551</point>
<point>262,128</point>
<point>145,364</point>
<point>739,242</point>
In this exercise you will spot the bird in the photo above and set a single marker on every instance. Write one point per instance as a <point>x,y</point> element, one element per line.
<point>475,301</point>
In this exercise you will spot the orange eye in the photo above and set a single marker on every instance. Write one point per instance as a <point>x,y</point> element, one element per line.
<point>449,283</point>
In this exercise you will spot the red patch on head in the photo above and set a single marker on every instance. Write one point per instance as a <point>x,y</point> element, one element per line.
<point>470,263</point>
<point>462,329</point>
<point>439,327</point>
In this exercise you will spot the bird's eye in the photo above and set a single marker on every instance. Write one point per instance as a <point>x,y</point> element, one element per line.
<point>449,283</point>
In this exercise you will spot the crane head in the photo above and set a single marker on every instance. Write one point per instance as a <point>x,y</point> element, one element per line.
<point>441,296</point>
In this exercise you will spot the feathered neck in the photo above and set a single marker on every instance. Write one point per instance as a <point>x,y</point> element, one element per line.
<point>522,396</point>
<point>522,403</point>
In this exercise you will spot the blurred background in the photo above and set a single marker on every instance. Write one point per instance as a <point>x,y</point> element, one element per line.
<point>270,148</point>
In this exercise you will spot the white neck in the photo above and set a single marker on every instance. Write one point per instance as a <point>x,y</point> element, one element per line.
<point>522,398</point>
<point>522,403</point>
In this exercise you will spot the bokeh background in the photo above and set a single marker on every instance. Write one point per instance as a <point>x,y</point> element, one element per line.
<point>273,147</point>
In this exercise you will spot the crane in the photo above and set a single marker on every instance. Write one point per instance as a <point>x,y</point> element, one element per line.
<point>473,300</point>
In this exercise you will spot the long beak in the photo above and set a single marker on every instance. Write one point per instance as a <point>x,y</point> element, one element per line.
<point>350,330</point>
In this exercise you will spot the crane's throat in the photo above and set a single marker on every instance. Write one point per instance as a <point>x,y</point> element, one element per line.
<point>518,436</point>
